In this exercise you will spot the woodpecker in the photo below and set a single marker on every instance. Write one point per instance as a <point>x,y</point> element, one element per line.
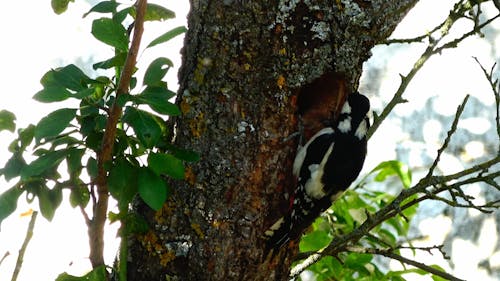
<point>325,167</point>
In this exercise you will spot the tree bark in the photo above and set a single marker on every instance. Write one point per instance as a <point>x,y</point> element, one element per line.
<point>244,65</point>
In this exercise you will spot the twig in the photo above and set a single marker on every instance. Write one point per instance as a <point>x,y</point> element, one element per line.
<point>96,231</point>
<point>495,88</point>
<point>427,249</point>
<point>452,130</point>
<point>476,29</point>
<point>390,210</point>
<point>123,255</point>
<point>485,208</point>
<point>310,260</point>
<point>4,257</point>
<point>478,173</point>
<point>86,217</point>
<point>431,50</point>
<point>390,254</point>
<point>27,238</point>
<point>423,266</point>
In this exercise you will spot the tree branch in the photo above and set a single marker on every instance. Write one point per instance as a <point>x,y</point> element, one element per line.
<point>460,11</point>
<point>494,87</point>
<point>452,130</point>
<point>22,251</point>
<point>96,232</point>
<point>390,254</point>
<point>394,208</point>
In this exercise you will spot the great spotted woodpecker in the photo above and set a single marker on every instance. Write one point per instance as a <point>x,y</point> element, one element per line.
<point>325,166</point>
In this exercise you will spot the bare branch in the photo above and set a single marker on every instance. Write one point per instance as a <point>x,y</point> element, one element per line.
<point>452,130</point>
<point>4,257</point>
<point>460,10</point>
<point>390,254</point>
<point>22,251</point>
<point>394,208</point>
<point>475,30</point>
<point>495,88</point>
<point>311,259</point>
<point>427,249</point>
<point>86,217</point>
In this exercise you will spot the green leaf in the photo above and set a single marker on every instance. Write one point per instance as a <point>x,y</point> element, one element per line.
<point>121,100</point>
<point>158,92</point>
<point>49,79</point>
<point>79,196</point>
<point>354,200</point>
<point>70,77</point>
<point>157,99</point>
<point>54,123</point>
<point>43,163</point>
<point>103,7</point>
<point>315,240</point>
<point>121,15</point>
<point>74,161</point>
<point>97,274</point>
<point>49,200</point>
<point>13,166</point>
<point>52,94</point>
<point>387,236</point>
<point>110,32</point>
<point>152,188</point>
<point>26,136</point>
<point>94,140</point>
<point>92,168</point>
<point>156,71</point>
<point>146,128</point>
<point>166,164</point>
<point>393,167</point>
<point>328,268</point>
<point>184,154</point>
<point>155,12</point>
<point>8,202</point>
<point>7,120</point>
<point>357,261</point>
<point>135,224</point>
<point>60,6</point>
<point>167,36</point>
<point>65,140</point>
<point>122,182</point>
<point>436,277</point>
<point>84,93</point>
<point>396,274</point>
<point>117,60</point>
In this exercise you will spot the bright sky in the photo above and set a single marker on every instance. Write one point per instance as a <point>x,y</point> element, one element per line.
<point>39,40</point>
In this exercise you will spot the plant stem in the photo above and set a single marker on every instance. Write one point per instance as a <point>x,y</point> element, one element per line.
<point>96,231</point>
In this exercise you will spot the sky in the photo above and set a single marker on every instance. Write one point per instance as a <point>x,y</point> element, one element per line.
<point>40,40</point>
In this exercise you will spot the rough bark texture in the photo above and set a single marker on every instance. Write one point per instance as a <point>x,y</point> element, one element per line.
<point>245,62</point>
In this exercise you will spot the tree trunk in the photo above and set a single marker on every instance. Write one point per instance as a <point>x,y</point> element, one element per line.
<point>245,63</point>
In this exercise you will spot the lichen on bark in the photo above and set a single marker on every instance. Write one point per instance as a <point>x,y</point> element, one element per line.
<point>243,62</point>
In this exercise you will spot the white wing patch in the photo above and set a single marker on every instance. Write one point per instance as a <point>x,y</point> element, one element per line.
<point>301,154</point>
<point>346,108</point>
<point>314,186</point>
<point>274,227</point>
<point>361,130</point>
<point>345,125</point>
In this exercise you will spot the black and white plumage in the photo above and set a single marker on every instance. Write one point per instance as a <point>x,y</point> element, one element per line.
<point>325,166</point>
